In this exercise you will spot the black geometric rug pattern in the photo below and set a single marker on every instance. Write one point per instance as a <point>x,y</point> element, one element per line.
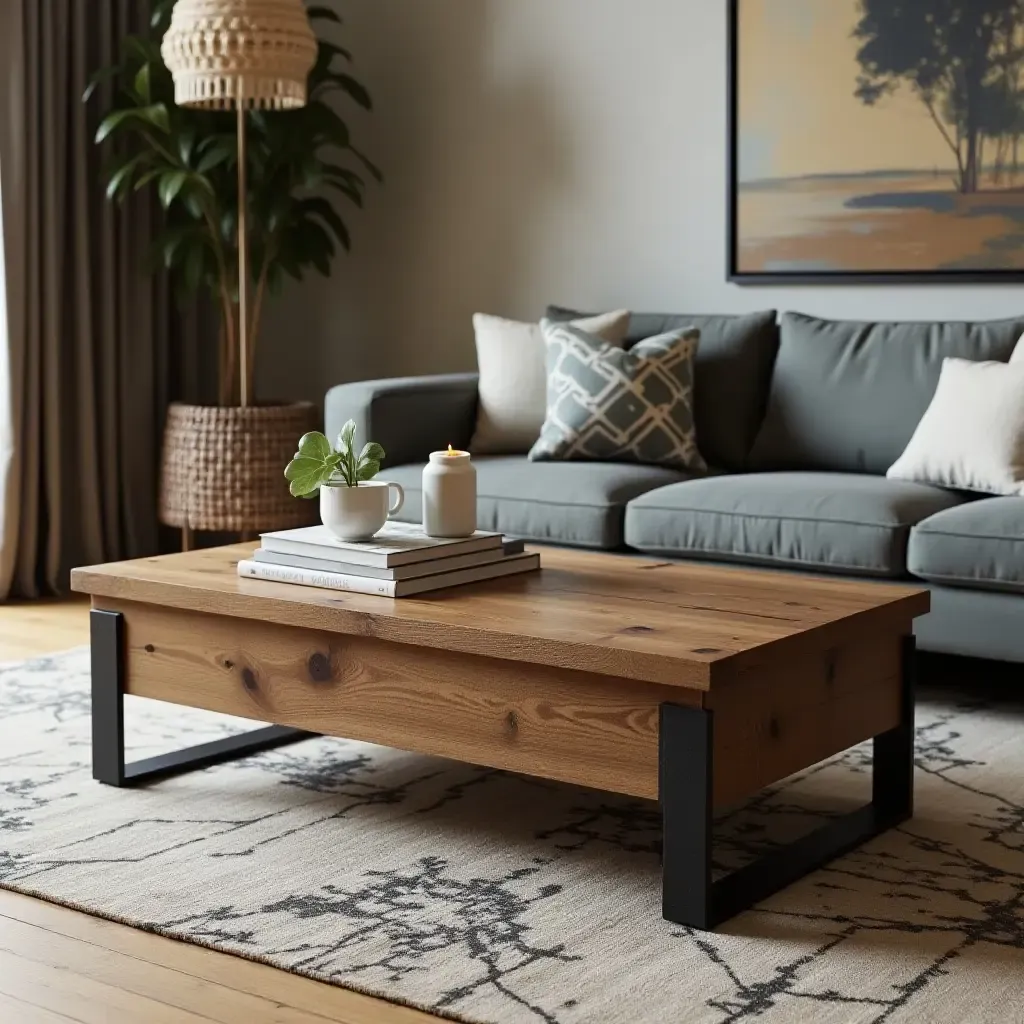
<point>488,897</point>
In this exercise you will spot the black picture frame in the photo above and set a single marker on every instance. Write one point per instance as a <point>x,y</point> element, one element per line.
<point>734,275</point>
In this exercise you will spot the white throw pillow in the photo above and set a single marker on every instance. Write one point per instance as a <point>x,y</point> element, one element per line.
<point>1018,352</point>
<point>511,358</point>
<point>972,436</point>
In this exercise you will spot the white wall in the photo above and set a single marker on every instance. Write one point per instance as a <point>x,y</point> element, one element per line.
<point>539,151</point>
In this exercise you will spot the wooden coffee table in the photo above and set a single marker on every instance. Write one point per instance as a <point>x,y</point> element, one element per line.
<point>691,684</point>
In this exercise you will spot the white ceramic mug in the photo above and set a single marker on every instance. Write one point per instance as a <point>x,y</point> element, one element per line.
<point>357,513</point>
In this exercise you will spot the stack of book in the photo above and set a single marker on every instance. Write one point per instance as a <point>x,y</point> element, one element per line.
<point>399,562</point>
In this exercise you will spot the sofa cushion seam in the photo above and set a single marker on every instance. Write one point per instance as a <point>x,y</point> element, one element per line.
<point>721,552</point>
<point>968,536</point>
<point>942,577</point>
<point>774,518</point>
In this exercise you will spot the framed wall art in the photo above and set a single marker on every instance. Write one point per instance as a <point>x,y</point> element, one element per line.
<point>872,140</point>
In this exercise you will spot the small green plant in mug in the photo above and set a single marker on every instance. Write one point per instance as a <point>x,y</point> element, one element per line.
<point>317,464</point>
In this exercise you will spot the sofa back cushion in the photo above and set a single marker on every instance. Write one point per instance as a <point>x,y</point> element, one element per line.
<point>847,396</point>
<point>732,375</point>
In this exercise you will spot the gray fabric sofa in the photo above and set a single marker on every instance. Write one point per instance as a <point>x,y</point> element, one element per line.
<point>799,419</point>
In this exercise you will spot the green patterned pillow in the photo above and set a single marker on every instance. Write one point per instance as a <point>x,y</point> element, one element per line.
<point>605,404</point>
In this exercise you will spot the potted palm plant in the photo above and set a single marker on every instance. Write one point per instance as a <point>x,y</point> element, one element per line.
<point>221,465</point>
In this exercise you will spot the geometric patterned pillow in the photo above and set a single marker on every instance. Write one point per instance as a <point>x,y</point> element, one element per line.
<point>606,404</point>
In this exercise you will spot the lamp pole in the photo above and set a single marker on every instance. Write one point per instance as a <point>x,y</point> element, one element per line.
<point>243,259</point>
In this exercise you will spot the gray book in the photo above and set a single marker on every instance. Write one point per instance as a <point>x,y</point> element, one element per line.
<point>431,567</point>
<point>513,565</point>
<point>396,544</point>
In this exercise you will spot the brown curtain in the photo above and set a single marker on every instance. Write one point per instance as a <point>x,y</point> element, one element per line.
<point>96,345</point>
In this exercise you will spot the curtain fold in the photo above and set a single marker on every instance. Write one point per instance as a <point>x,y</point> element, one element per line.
<point>95,346</point>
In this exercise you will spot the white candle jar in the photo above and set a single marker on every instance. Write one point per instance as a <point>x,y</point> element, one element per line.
<point>449,495</point>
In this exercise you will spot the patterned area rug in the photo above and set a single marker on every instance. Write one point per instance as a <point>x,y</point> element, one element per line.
<point>488,897</point>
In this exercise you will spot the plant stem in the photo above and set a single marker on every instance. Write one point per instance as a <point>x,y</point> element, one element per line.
<point>226,387</point>
<point>257,307</point>
<point>222,361</point>
<point>227,382</point>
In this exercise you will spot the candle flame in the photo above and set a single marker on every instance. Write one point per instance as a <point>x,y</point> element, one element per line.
<point>452,451</point>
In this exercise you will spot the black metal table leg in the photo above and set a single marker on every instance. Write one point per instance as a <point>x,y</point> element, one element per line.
<point>106,635</point>
<point>685,762</point>
<point>108,764</point>
<point>686,767</point>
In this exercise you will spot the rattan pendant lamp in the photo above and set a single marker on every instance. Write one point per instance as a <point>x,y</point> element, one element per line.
<point>240,54</point>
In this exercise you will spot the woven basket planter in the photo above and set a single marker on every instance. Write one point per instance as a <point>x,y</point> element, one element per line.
<point>223,468</point>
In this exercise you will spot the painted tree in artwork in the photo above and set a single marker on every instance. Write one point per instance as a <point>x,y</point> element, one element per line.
<point>962,58</point>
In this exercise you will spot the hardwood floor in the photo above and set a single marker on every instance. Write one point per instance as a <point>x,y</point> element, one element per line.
<point>57,965</point>
<point>39,627</point>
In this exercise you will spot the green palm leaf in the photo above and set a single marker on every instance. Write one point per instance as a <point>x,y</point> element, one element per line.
<point>301,163</point>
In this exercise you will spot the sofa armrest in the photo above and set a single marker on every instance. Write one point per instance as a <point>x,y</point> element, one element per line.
<point>410,416</point>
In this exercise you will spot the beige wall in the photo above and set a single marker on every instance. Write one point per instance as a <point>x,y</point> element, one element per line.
<point>539,150</point>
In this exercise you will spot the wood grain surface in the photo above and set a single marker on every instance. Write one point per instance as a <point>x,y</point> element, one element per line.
<point>554,723</point>
<point>775,721</point>
<point>30,628</point>
<point>678,624</point>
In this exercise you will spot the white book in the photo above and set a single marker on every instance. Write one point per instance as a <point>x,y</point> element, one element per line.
<point>396,544</point>
<point>399,572</point>
<point>250,569</point>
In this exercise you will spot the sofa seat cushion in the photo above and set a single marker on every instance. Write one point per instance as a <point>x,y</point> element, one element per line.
<point>979,544</point>
<point>578,503</point>
<point>822,522</point>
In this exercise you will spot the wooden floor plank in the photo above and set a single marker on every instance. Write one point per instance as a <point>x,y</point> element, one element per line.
<point>14,1011</point>
<point>116,974</point>
<point>88,945</point>
<point>28,630</point>
<point>150,962</point>
<point>35,978</point>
